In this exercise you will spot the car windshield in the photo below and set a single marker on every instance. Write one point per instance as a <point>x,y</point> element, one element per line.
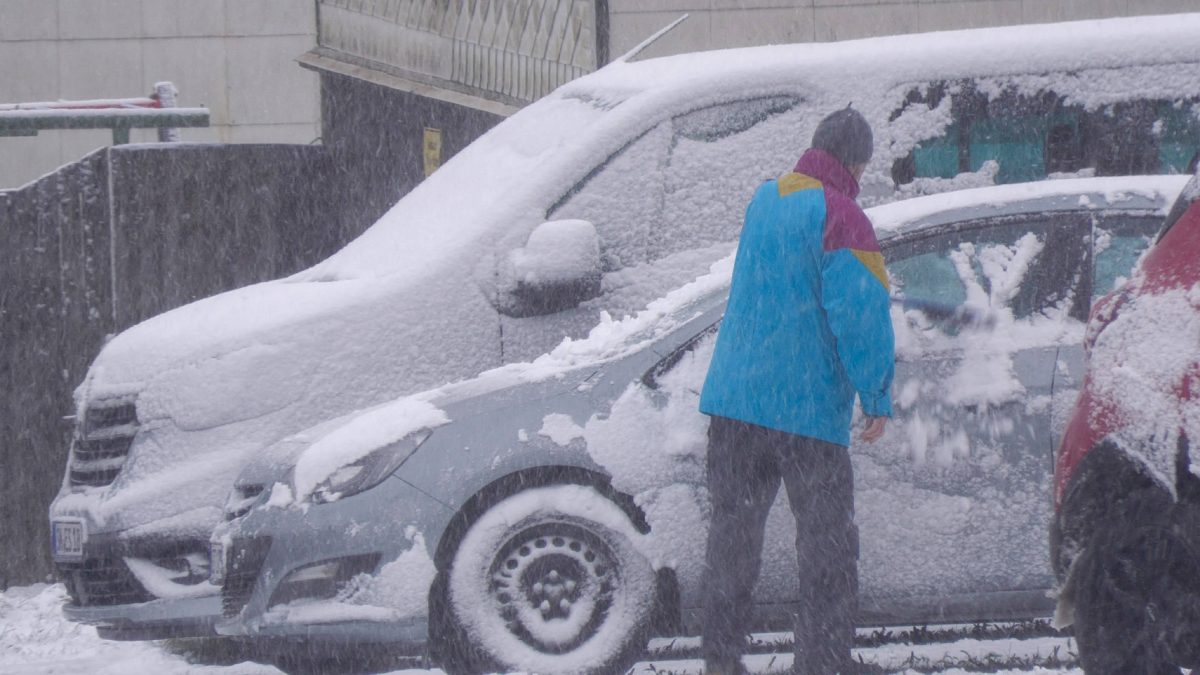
<point>452,211</point>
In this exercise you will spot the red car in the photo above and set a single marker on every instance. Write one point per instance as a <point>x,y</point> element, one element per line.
<point>1125,541</point>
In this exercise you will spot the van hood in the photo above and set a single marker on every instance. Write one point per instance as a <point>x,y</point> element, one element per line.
<point>216,382</point>
<point>249,341</point>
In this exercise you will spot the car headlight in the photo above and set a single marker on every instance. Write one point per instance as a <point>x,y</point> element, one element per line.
<point>369,471</point>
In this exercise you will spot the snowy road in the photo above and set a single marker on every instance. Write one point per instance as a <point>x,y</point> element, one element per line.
<point>36,640</point>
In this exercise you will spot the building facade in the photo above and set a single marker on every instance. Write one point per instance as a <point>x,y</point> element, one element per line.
<point>235,57</point>
<point>447,70</point>
<point>452,66</point>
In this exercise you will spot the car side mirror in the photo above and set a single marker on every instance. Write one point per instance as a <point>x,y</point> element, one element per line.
<point>558,268</point>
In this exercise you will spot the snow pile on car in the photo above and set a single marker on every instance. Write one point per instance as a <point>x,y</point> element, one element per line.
<point>1155,57</point>
<point>1144,361</point>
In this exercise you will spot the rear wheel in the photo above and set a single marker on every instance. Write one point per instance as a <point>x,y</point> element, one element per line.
<point>550,581</point>
<point>1131,580</point>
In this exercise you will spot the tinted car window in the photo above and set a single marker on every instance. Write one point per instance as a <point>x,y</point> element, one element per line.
<point>1117,243</point>
<point>1030,136</point>
<point>1027,264</point>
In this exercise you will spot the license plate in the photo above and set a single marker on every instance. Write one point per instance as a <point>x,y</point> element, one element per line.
<point>216,563</point>
<point>66,539</point>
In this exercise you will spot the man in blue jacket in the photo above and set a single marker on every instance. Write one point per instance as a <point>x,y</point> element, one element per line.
<point>806,330</point>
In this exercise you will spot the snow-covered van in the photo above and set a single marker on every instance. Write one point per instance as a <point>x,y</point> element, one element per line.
<point>596,199</point>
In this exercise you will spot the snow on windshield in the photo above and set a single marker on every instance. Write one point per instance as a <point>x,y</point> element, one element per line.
<point>488,182</point>
<point>610,338</point>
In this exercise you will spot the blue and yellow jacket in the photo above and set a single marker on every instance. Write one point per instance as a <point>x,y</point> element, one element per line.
<point>807,326</point>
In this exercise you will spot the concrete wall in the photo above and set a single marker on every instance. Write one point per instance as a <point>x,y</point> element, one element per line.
<point>716,24</point>
<point>237,57</point>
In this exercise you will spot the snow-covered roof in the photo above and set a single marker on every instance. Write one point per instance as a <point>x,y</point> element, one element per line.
<point>1026,49</point>
<point>1127,192</point>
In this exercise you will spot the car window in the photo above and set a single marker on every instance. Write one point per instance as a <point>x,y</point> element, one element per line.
<point>930,275</point>
<point>1029,265</point>
<point>1029,136</point>
<point>685,183</point>
<point>719,156</point>
<point>1117,242</point>
<point>622,198</point>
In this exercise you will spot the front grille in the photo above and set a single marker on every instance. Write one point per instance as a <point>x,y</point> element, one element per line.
<point>246,558</point>
<point>102,441</point>
<point>102,581</point>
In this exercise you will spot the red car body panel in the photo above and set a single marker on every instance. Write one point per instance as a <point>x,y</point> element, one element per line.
<point>1172,263</point>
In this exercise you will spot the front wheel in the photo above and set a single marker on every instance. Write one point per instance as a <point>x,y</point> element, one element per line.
<point>549,581</point>
<point>1132,578</point>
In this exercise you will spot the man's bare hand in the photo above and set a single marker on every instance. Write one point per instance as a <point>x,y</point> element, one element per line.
<point>874,429</point>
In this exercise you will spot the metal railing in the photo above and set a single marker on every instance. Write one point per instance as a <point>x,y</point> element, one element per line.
<point>118,114</point>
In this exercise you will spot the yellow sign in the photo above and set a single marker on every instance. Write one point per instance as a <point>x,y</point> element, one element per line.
<point>432,149</point>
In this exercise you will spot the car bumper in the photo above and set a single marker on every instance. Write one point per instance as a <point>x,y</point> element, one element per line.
<point>357,537</point>
<point>157,619</point>
<point>410,633</point>
<point>108,592</point>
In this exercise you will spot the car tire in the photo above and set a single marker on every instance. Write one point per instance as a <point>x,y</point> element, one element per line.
<point>1117,597</point>
<point>549,580</point>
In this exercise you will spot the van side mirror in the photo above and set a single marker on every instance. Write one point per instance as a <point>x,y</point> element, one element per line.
<point>558,268</point>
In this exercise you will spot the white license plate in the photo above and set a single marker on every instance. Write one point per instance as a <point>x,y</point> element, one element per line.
<point>216,563</point>
<point>66,539</point>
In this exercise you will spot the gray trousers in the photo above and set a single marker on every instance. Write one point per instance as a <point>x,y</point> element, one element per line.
<point>745,465</point>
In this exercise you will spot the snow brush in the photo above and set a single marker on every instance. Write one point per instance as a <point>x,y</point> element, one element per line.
<point>961,316</point>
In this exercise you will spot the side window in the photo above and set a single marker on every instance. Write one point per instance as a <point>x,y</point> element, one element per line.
<point>1178,130</point>
<point>685,183</point>
<point>1007,135</point>
<point>719,156</point>
<point>1117,243</point>
<point>622,198</point>
<point>930,275</point>
<point>1029,265</point>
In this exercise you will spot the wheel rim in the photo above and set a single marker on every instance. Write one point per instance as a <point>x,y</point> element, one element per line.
<point>553,585</point>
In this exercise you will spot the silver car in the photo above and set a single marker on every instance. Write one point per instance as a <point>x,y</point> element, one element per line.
<point>548,516</point>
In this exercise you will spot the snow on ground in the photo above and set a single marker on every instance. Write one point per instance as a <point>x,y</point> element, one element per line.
<point>35,639</point>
